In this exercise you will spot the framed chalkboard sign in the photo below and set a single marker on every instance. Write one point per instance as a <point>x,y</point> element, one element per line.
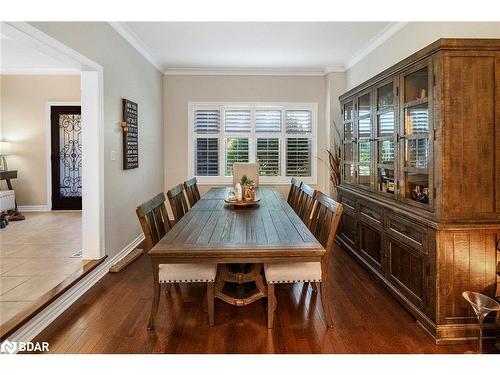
<point>130,135</point>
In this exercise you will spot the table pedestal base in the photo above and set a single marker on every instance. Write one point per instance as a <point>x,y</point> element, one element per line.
<point>254,274</point>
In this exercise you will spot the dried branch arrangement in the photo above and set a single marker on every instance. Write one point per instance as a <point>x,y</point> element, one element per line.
<point>334,165</point>
<point>334,160</point>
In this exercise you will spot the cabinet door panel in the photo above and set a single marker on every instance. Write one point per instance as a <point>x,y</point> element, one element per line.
<point>406,267</point>
<point>348,229</point>
<point>371,245</point>
<point>469,182</point>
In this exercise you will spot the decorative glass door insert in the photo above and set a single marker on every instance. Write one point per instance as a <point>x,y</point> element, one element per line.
<point>415,138</point>
<point>348,142</point>
<point>364,150</point>
<point>385,139</point>
<point>66,157</point>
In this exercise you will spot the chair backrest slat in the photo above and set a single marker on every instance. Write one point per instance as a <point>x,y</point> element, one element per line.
<point>178,202</point>
<point>304,202</point>
<point>154,220</point>
<point>192,192</point>
<point>293,193</point>
<point>325,218</point>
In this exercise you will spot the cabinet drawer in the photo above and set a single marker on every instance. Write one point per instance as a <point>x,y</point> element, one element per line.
<point>410,233</point>
<point>371,213</point>
<point>348,203</point>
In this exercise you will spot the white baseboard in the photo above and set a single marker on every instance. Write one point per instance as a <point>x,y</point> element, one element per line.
<point>39,322</point>
<point>43,207</point>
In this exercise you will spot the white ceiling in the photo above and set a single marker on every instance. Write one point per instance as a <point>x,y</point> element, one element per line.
<point>19,57</point>
<point>314,46</point>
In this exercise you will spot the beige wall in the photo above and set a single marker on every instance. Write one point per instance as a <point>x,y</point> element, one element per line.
<point>411,38</point>
<point>23,120</point>
<point>335,86</point>
<point>181,89</point>
<point>127,74</point>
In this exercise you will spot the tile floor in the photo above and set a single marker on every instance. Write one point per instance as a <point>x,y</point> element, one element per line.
<point>35,256</point>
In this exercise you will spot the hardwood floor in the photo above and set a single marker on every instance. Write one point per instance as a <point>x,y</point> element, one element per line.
<point>112,317</point>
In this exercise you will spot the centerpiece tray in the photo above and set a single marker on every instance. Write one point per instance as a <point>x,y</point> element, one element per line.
<point>242,203</point>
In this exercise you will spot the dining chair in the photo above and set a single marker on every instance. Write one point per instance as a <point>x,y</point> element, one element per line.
<point>293,193</point>
<point>178,202</point>
<point>154,221</point>
<point>303,203</point>
<point>249,169</point>
<point>192,192</point>
<point>324,221</point>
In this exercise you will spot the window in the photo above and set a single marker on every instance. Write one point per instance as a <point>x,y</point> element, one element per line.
<point>236,152</point>
<point>268,156</point>
<point>280,137</point>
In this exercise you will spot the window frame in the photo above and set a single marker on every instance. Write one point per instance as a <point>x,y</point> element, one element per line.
<point>252,136</point>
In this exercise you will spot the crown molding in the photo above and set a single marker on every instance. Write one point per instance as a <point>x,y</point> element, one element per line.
<point>136,42</point>
<point>39,71</point>
<point>334,69</point>
<point>144,50</point>
<point>375,42</point>
<point>242,72</point>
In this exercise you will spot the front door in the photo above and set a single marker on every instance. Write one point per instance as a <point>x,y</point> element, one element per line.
<point>66,157</point>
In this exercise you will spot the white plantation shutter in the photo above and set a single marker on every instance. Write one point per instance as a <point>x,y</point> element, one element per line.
<point>298,157</point>
<point>280,137</point>
<point>206,121</point>
<point>268,156</point>
<point>206,156</point>
<point>267,121</point>
<point>298,121</point>
<point>236,152</point>
<point>418,120</point>
<point>386,123</point>
<point>238,121</point>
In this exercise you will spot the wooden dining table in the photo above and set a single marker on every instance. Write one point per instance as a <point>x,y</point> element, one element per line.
<point>213,231</point>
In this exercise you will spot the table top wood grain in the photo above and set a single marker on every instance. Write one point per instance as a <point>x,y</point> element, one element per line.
<point>215,232</point>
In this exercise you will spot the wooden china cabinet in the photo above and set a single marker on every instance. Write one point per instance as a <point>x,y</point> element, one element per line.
<point>421,181</point>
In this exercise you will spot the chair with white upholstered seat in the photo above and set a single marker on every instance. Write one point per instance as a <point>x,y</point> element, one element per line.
<point>324,219</point>
<point>155,224</point>
<point>251,170</point>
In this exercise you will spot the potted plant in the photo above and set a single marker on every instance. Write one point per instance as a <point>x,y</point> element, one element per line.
<point>248,188</point>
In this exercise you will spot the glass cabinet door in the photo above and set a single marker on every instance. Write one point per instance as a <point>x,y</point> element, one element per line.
<point>364,140</point>
<point>385,133</point>
<point>348,142</point>
<point>414,140</point>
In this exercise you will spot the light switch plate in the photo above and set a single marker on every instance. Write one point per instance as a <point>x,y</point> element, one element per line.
<point>113,155</point>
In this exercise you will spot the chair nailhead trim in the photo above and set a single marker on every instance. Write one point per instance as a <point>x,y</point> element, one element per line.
<point>186,281</point>
<point>293,281</point>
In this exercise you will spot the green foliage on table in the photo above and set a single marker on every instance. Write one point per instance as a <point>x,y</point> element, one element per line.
<point>245,181</point>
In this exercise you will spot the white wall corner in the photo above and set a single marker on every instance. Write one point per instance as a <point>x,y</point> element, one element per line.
<point>375,42</point>
<point>136,42</point>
